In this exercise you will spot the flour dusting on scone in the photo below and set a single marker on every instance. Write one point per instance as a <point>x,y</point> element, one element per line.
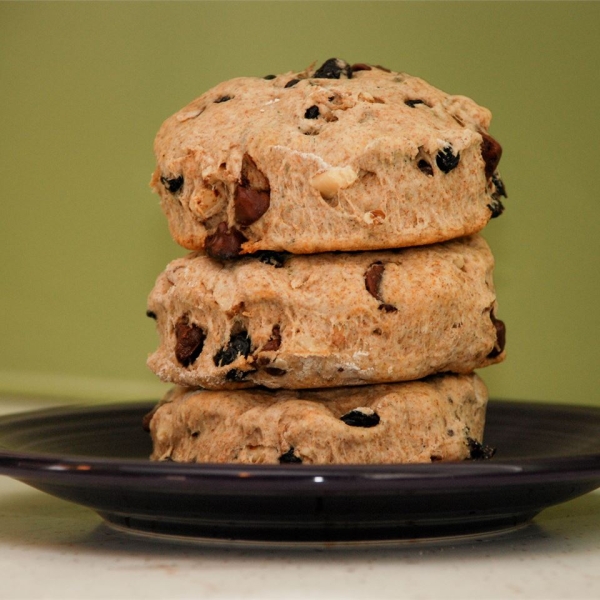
<point>336,158</point>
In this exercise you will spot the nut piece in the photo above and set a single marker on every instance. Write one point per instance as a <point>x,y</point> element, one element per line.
<point>328,183</point>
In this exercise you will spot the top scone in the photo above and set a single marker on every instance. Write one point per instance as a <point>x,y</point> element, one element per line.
<point>338,158</point>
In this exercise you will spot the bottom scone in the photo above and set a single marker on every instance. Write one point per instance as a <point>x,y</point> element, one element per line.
<point>438,418</point>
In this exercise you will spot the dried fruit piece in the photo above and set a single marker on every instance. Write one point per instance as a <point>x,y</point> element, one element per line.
<point>289,458</point>
<point>373,277</point>
<point>269,257</point>
<point>239,345</point>
<point>237,375</point>
<point>190,341</point>
<point>275,372</point>
<point>491,152</point>
<point>334,68</point>
<point>361,417</point>
<point>496,207</point>
<point>291,83</point>
<point>151,314</point>
<point>500,336</point>
<point>413,103</point>
<point>446,160</point>
<point>479,451</point>
<point>269,77</point>
<point>499,185</point>
<point>173,184</point>
<point>312,112</point>
<point>222,99</point>
<point>147,418</point>
<point>425,167</point>
<point>274,342</point>
<point>388,308</point>
<point>224,243</point>
<point>250,205</point>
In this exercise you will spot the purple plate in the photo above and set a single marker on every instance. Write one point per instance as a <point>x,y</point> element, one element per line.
<point>97,457</point>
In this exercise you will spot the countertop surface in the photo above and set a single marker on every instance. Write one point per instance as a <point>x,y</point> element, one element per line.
<point>50,548</point>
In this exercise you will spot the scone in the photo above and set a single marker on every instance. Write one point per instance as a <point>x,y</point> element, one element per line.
<point>326,320</point>
<point>437,419</point>
<point>336,158</point>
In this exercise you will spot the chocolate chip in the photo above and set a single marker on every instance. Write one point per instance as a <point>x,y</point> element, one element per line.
<point>194,434</point>
<point>269,257</point>
<point>413,103</point>
<point>361,417</point>
<point>435,458</point>
<point>250,205</point>
<point>291,83</point>
<point>275,372</point>
<point>360,67</point>
<point>237,375</point>
<point>274,342</point>
<point>479,451</point>
<point>239,345</point>
<point>333,68</point>
<point>388,308</point>
<point>151,314</point>
<point>500,336</point>
<point>450,432</point>
<point>269,77</point>
<point>499,184</point>
<point>446,160</point>
<point>173,184</point>
<point>373,277</point>
<point>224,243</point>
<point>425,167</point>
<point>190,341</point>
<point>222,99</point>
<point>491,152</point>
<point>312,112</point>
<point>289,458</point>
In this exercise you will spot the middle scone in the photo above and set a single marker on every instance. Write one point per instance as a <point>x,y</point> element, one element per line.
<point>326,320</point>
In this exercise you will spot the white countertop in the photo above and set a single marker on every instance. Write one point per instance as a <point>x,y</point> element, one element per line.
<point>50,548</point>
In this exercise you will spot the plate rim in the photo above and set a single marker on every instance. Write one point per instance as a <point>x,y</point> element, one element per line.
<point>36,466</point>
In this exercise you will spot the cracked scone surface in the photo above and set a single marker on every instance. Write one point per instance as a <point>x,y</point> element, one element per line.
<point>418,421</point>
<point>326,320</point>
<point>305,163</point>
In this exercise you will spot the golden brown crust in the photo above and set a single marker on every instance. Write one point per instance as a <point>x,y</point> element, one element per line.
<point>381,160</point>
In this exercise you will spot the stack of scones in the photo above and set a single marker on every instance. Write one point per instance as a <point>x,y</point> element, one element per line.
<point>338,296</point>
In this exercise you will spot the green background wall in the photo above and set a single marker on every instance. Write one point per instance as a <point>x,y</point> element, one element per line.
<point>85,86</point>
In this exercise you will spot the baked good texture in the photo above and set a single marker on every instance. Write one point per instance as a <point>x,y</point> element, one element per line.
<point>326,320</point>
<point>440,418</point>
<point>337,158</point>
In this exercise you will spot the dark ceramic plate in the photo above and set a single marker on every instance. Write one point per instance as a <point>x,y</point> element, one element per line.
<point>97,456</point>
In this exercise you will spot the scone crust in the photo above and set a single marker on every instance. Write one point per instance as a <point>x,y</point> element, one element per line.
<point>436,419</point>
<point>326,320</point>
<point>332,164</point>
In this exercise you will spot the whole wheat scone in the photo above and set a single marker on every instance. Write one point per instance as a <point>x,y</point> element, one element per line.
<point>439,418</point>
<point>326,320</point>
<point>339,158</point>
